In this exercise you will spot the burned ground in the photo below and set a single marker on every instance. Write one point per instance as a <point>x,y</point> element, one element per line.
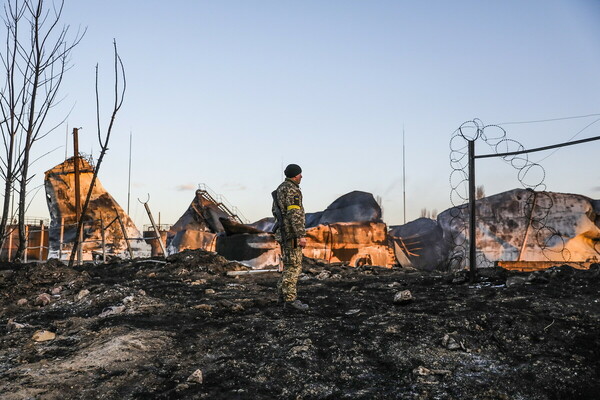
<point>182,329</point>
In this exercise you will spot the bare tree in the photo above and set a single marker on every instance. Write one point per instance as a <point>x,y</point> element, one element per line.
<point>119,94</point>
<point>35,60</point>
<point>9,108</point>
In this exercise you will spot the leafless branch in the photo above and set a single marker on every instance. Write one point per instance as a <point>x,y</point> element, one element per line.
<point>35,59</point>
<point>118,102</point>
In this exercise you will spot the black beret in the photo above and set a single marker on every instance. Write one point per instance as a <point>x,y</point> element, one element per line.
<point>292,170</point>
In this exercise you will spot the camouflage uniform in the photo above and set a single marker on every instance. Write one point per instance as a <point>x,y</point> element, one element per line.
<point>289,199</point>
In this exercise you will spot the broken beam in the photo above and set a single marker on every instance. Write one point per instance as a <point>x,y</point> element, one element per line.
<point>251,271</point>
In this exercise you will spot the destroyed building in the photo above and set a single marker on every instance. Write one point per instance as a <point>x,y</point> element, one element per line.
<point>517,225</point>
<point>350,231</point>
<point>107,230</point>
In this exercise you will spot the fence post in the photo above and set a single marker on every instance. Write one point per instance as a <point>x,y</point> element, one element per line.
<point>41,240</point>
<point>78,216</point>
<point>472,233</point>
<point>3,241</point>
<point>10,244</point>
<point>26,242</point>
<point>60,238</point>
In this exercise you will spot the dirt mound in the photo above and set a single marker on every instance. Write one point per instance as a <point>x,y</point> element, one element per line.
<point>182,329</point>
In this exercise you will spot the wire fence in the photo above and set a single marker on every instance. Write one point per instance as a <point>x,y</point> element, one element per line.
<point>36,241</point>
<point>96,245</point>
<point>531,175</point>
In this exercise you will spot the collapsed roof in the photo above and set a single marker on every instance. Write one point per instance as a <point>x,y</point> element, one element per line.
<point>350,230</point>
<point>121,236</point>
<point>515,225</point>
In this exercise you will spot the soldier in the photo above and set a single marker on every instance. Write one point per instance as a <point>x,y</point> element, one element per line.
<point>290,233</point>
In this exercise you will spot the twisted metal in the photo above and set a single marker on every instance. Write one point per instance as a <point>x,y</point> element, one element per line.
<point>537,204</point>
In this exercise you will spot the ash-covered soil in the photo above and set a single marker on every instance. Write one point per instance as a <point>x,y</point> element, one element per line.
<point>182,329</point>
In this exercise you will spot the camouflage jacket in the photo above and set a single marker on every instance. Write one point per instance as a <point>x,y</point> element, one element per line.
<point>289,198</point>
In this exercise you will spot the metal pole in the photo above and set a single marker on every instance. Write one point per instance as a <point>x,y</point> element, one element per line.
<point>77,193</point>
<point>10,243</point>
<point>403,175</point>
<point>156,231</point>
<point>472,236</point>
<point>61,238</point>
<point>26,242</point>
<point>554,146</point>
<point>41,240</point>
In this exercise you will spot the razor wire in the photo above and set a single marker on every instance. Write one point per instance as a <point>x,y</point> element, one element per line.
<point>530,175</point>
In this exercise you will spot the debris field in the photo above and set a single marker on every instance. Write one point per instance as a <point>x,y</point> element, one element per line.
<point>182,328</point>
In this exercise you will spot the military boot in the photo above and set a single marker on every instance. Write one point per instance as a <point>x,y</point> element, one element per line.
<point>295,305</point>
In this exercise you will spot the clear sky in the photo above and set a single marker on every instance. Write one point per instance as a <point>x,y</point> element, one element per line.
<point>227,93</point>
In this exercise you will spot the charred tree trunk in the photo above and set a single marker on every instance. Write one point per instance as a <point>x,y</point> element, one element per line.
<point>37,58</point>
<point>118,101</point>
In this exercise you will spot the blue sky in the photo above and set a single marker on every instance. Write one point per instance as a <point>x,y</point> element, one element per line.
<point>226,93</point>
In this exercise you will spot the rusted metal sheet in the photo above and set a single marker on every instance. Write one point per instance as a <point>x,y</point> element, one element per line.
<point>191,239</point>
<point>101,214</point>
<point>152,240</point>
<point>530,266</point>
<point>257,250</point>
<point>354,243</point>
<point>37,242</point>
<point>419,244</point>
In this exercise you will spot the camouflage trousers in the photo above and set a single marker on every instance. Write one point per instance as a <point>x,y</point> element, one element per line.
<point>292,266</point>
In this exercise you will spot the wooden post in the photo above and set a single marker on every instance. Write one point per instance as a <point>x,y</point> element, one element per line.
<point>61,237</point>
<point>26,242</point>
<point>79,232</point>
<point>41,240</point>
<point>10,243</point>
<point>125,235</point>
<point>9,259</point>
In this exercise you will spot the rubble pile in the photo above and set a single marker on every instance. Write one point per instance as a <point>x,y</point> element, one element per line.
<point>181,328</point>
